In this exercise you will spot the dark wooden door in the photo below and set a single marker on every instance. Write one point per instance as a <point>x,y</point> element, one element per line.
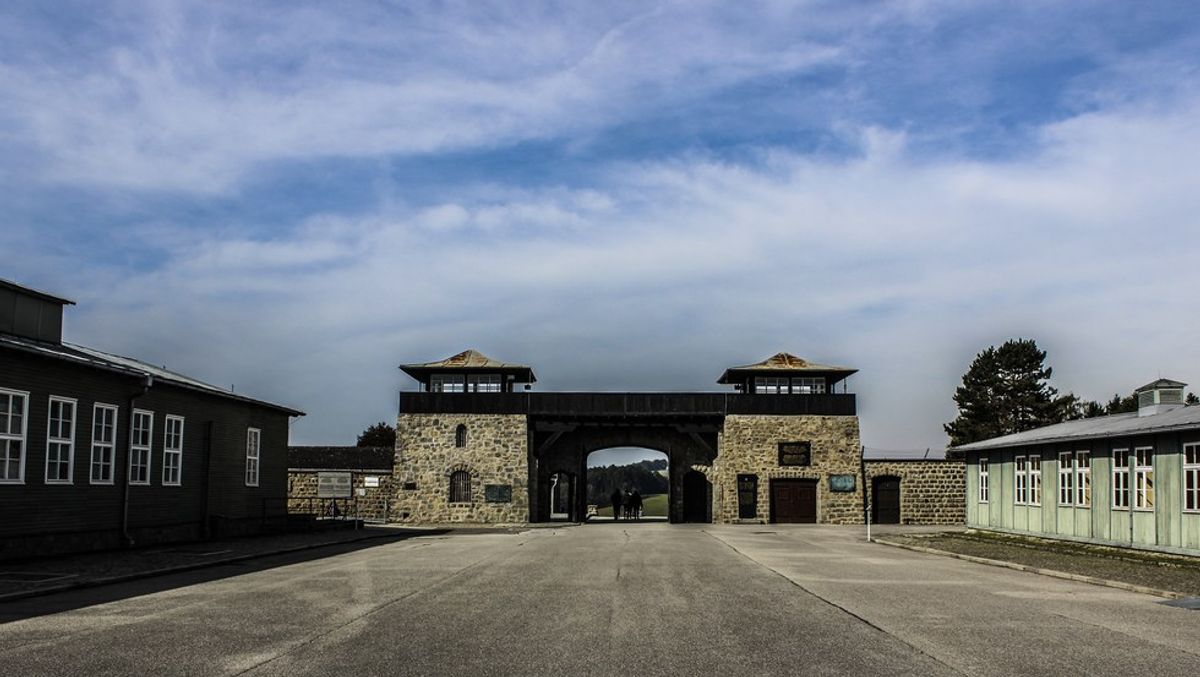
<point>794,501</point>
<point>695,497</point>
<point>885,500</point>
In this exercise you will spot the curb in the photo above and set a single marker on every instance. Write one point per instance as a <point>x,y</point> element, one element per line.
<point>1130,587</point>
<point>153,573</point>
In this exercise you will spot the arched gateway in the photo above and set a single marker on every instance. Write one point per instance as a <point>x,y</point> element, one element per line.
<point>528,451</point>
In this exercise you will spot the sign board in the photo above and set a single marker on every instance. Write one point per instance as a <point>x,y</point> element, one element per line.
<point>497,493</point>
<point>333,485</point>
<point>841,483</point>
<point>371,481</point>
<point>795,453</point>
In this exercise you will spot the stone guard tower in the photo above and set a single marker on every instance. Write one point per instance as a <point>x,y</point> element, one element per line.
<point>474,445</point>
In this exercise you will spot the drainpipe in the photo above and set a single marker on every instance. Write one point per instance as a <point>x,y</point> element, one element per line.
<point>147,381</point>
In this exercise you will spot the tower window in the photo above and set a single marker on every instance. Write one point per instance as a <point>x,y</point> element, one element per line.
<point>460,436</point>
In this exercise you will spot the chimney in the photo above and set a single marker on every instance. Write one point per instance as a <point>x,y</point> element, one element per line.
<point>1160,396</point>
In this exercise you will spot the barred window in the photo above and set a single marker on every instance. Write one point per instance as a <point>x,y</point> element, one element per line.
<point>460,486</point>
<point>460,436</point>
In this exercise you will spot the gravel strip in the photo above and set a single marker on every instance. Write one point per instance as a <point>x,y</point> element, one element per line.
<point>1177,574</point>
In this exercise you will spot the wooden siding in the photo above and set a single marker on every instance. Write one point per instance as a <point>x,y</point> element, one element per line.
<point>627,404</point>
<point>1166,527</point>
<point>37,509</point>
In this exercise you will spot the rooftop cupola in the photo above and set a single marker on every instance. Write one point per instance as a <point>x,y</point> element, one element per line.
<point>785,374</point>
<point>469,372</point>
<point>31,314</point>
<point>1159,396</point>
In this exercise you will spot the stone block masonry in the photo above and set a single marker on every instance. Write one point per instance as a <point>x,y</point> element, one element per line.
<point>374,505</point>
<point>750,445</point>
<point>494,451</point>
<point>931,491</point>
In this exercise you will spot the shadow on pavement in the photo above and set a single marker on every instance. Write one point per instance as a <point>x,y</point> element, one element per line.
<point>77,598</point>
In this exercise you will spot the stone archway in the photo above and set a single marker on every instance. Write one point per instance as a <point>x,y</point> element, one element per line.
<point>563,447</point>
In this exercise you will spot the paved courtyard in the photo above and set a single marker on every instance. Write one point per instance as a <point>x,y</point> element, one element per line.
<point>611,599</point>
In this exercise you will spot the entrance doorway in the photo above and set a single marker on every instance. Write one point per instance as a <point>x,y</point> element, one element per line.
<point>885,500</point>
<point>562,496</point>
<point>697,497</point>
<point>635,479</point>
<point>794,501</point>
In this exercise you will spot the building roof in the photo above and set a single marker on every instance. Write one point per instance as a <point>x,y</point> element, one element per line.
<point>30,291</point>
<point>468,361</point>
<point>785,364</point>
<point>1160,384</point>
<point>378,459</point>
<point>1116,425</point>
<point>91,357</point>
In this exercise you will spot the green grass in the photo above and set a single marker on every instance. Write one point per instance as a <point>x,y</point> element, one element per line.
<point>653,505</point>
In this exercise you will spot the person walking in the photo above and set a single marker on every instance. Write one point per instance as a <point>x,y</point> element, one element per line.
<point>616,503</point>
<point>635,504</point>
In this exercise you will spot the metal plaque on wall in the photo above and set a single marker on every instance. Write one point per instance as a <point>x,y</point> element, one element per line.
<point>333,485</point>
<point>844,483</point>
<point>497,493</point>
<point>795,453</point>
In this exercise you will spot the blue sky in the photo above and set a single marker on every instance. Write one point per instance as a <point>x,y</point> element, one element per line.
<point>295,198</point>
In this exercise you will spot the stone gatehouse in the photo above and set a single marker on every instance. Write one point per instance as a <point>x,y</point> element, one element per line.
<point>476,444</point>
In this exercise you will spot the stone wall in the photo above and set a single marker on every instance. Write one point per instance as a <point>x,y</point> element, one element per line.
<point>495,453</point>
<point>374,505</point>
<point>931,492</point>
<point>750,445</point>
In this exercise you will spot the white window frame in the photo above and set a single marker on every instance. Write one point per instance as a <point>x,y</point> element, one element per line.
<point>484,383</point>
<point>1143,479</point>
<point>1066,478</point>
<point>98,444</point>
<point>808,385</point>
<point>253,455</point>
<point>1083,478</point>
<point>984,492</point>
<point>60,439</point>
<point>136,448</point>
<point>1191,471</point>
<point>1035,479</point>
<point>1120,479</point>
<point>771,385</point>
<point>1020,481</point>
<point>448,383</point>
<point>22,438</point>
<point>172,449</point>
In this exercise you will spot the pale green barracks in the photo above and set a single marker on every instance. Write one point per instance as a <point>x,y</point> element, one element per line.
<point>1127,479</point>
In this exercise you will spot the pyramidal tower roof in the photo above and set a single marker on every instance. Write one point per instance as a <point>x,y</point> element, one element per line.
<point>469,361</point>
<point>784,364</point>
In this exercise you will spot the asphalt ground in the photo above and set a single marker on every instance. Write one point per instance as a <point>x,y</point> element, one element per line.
<point>606,599</point>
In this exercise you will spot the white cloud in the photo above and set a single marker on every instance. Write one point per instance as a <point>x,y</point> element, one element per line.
<point>662,274</point>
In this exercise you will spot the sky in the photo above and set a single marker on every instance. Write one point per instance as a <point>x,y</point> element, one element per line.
<point>292,199</point>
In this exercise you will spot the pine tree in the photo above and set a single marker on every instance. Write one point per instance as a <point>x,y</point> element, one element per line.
<point>1005,391</point>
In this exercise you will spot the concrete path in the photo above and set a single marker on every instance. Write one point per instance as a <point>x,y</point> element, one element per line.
<point>605,599</point>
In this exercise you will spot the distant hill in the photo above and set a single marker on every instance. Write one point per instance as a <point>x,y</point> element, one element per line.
<point>642,476</point>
